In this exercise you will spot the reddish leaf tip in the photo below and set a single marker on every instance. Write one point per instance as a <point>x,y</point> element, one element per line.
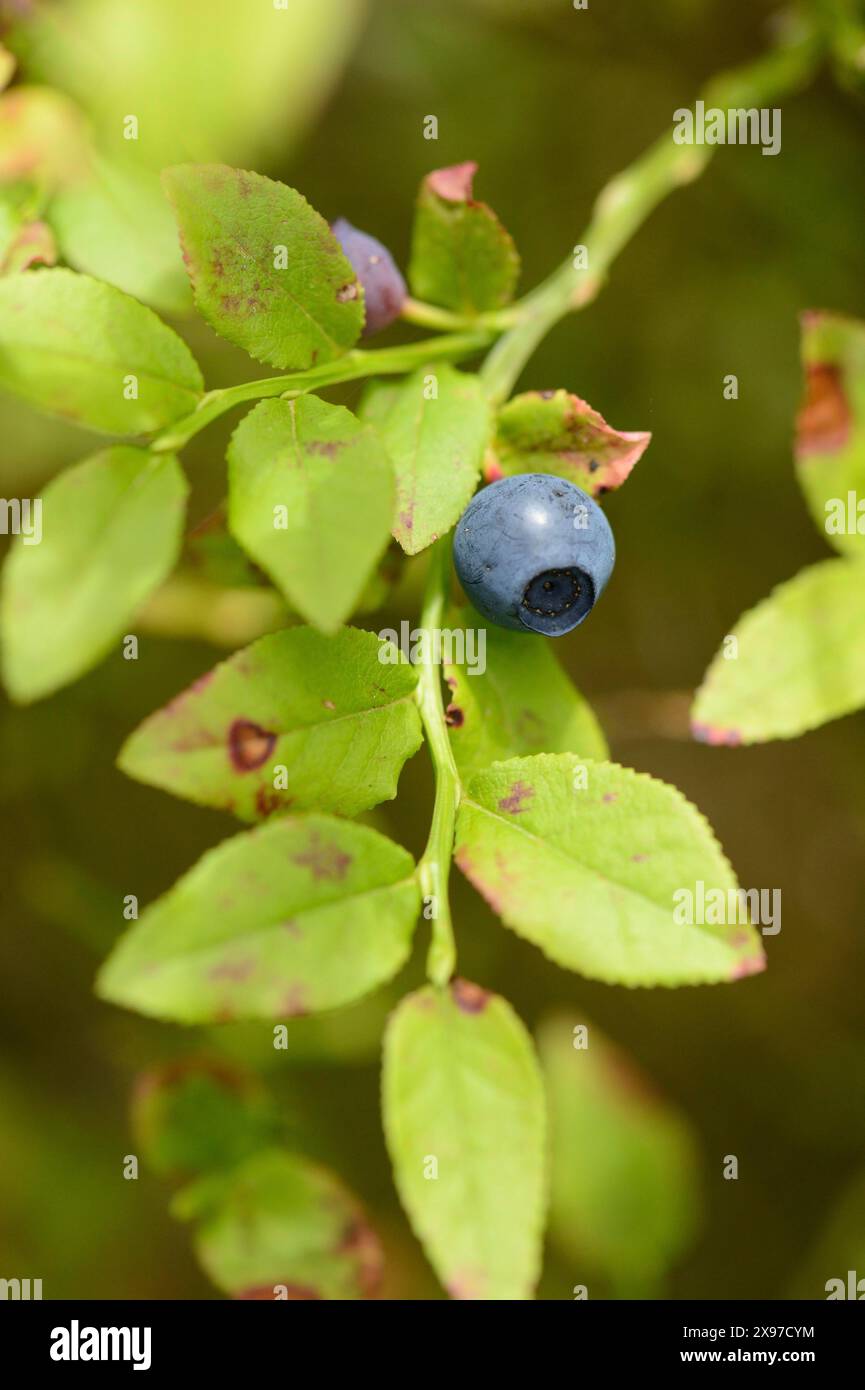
<point>471,999</point>
<point>454,182</point>
<point>716,736</point>
<point>751,965</point>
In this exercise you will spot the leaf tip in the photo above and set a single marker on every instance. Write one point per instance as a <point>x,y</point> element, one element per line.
<point>454,182</point>
<point>748,965</point>
<point>715,735</point>
<point>469,998</point>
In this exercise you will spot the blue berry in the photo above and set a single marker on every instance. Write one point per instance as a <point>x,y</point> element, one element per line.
<point>534,552</point>
<point>384,289</point>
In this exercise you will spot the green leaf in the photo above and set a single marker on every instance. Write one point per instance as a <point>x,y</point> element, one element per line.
<point>293,917</point>
<point>830,428</point>
<point>118,227</point>
<point>799,660</point>
<point>237,229</point>
<point>111,532</point>
<point>325,709</point>
<point>205,78</point>
<point>555,432</point>
<point>194,1116</point>
<point>282,1228</point>
<point>518,701</point>
<point>437,447</point>
<point>83,350</point>
<point>623,1197</point>
<point>378,398</point>
<point>584,859</point>
<point>465,1127</point>
<point>461,255</point>
<point>311,500</point>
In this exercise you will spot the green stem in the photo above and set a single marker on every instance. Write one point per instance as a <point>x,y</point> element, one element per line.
<point>445,321</point>
<point>627,200</point>
<point>352,367</point>
<point>434,867</point>
<point>620,209</point>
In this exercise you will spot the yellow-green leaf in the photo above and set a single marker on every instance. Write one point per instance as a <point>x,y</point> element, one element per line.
<point>465,1126</point>
<point>436,443</point>
<point>111,530</point>
<point>84,350</point>
<point>793,663</point>
<point>311,500</point>
<point>586,859</point>
<point>299,915</point>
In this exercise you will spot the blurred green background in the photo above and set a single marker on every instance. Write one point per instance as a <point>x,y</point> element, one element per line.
<point>551,102</point>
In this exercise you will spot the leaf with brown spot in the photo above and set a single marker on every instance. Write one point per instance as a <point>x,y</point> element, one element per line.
<point>830,428</point>
<point>232,224</point>
<point>282,1228</point>
<point>588,866</point>
<point>340,722</point>
<point>556,432</point>
<point>461,1088</point>
<point>217,945</point>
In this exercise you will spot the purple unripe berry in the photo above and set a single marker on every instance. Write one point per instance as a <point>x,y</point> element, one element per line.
<point>384,289</point>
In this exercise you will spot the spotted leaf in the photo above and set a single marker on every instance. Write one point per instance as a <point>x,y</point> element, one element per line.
<point>294,917</point>
<point>266,270</point>
<point>296,720</point>
<point>279,1228</point>
<point>586,859</point>
<point>830,428</point>
<point>555,432</point>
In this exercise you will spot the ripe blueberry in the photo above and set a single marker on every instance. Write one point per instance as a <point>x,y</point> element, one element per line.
<point>534,552</point>
<point>384,289</point>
